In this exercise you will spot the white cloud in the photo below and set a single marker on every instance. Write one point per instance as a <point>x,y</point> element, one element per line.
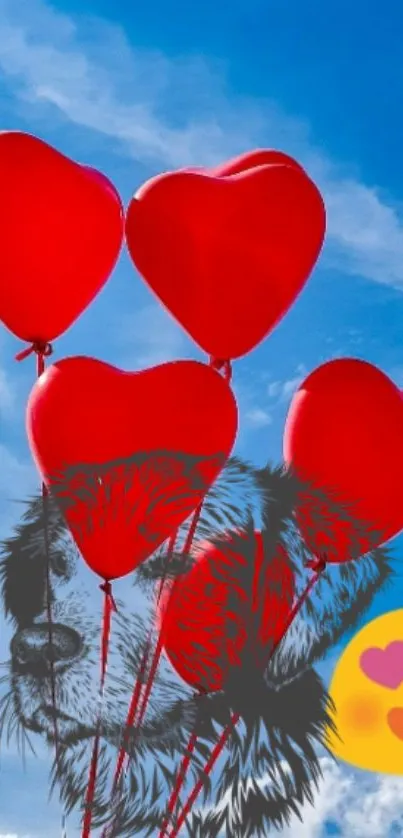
<point>152,337</point>
<point>359,803</point>
<point>89,72</point>
<point>282,391</point>
<point>366,231</point>
<point>254,413</point>
<point>258,418</point>
<point>177,112</point>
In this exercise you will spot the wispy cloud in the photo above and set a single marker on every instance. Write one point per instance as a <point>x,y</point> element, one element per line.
<point>282,391</point>
<point>88,71</point>
<point>13,835</point>
<point>177,112</point>
<point>255,414</point>
<point>366,232</point>
<point>355,802</point>
<point>150,337</point>
<point>347,802</point>
<point>263,403</point>
<point>256,417</point>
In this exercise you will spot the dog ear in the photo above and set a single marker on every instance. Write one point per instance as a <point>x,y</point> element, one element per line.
<point>23,560</point>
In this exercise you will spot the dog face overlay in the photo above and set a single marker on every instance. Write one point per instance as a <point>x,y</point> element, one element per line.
<point>76,638</point>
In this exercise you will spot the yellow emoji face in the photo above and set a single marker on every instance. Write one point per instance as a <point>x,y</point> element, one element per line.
<point>367,690</point>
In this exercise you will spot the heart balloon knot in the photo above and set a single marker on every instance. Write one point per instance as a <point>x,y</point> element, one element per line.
<point>318,565</point>
<point>200,692</point>
<point>222,365</point>
<point>41,348</point>
<point>106,588</point>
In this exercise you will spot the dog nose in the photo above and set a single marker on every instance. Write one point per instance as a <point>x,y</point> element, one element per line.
<point>32,651</point>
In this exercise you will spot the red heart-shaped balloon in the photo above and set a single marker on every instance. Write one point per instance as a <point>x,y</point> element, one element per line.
<point>103,181</point>
<point>231,602</point>
<point>129,456</point>
<point>227,256</point>
<point>61,231</point>
<point>253,159</point>
<point>249,160</point>
<point>344,436</point>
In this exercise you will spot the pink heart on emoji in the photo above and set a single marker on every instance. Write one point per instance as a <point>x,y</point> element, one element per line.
<point>384,666</point>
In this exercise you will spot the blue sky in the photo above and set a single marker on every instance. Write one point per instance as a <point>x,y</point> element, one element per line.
<point>134,89</point>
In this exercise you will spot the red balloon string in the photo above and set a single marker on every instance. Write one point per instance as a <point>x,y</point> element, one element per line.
<point>131,719</point>
<point>109,607</point>
<point>139,701</point>
<point>131,716</point>
<point>49,612</point>
<point>136,712</point>
<point>43,350</point>
<point>190,536</point>
<point>222,365</point>
<point>226,368</point>
<point>318,566</point>
<point>180,779</point>
<point>158,650</point>
<point>216,752</point>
